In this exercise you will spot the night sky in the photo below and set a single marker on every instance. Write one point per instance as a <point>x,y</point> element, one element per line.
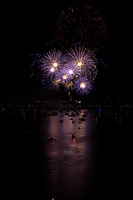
<point>30,26</point>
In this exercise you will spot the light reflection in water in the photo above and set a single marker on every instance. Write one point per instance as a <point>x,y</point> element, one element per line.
<point>67,162</point>
<point>65,168</point>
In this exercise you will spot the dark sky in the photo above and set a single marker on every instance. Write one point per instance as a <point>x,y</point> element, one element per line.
<point>30,26</point>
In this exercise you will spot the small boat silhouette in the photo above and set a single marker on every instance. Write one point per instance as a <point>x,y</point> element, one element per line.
<point>52,139</point>
<point>73,135</point>
<point>82,119</point>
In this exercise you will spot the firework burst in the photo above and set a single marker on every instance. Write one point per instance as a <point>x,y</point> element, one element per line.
<point>67,73</point>
<point>84,61</point>
<point>82,86</point>
<point>77,69</point>
<point>50,66</point>
<point>51,61</point>
<point>81,23</point>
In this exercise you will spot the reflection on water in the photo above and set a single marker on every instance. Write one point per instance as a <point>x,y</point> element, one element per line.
<point>62,167</point>
<point>67,165</point>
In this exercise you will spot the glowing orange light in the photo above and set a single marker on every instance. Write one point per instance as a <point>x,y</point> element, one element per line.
<point>82,85</point>
<point>64,77</point>
<point>79,64</point>
<point>74,143</point>
<point>55,64</point>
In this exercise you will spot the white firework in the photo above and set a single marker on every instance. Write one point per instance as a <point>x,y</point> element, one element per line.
<point>66,73</point>
<point>51,64</point>
<point>84,60</point>
<point>82,86</point>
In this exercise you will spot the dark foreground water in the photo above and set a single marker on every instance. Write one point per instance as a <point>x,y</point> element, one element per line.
<point>93,165</point>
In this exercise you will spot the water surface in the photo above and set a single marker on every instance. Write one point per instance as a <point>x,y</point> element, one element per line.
<point>90,166</point>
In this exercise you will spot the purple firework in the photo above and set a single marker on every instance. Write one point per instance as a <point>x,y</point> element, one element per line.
<point>84,61</point>
<point>50,65</point>
<point>76,69</point>
<point>67,73</point>
<point>82,86</point>
<point>52,61</point>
